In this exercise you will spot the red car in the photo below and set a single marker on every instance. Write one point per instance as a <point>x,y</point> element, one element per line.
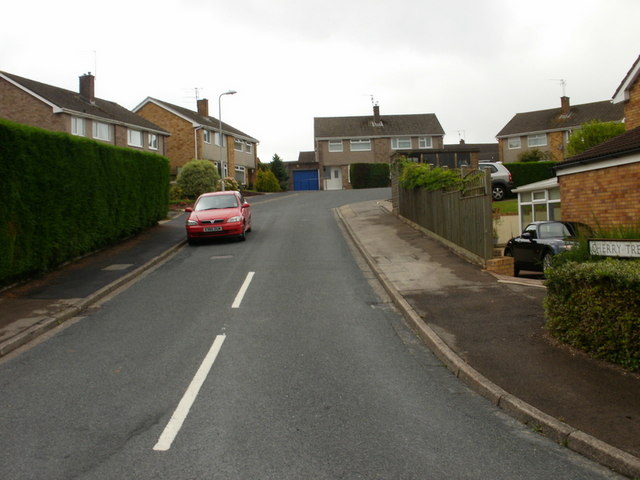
<point>218,214</point>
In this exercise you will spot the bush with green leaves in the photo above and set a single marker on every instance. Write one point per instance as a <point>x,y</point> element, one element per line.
<point>524,173</point>
<point>591,134</point>
<point>422,175</point>
<point>266,181</point>
<point>369,175</point>
<point>594,306</point>
<point>197,177</point>
<point>535,155</point>
<point>231,183</point>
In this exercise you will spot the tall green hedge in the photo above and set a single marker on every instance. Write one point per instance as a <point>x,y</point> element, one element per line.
<point>369,175</point>
<point>63,196</point>
<point>595,306</point>
<point>525,173</point>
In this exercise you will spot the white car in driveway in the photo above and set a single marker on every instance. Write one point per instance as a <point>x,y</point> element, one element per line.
<point>501,179</point>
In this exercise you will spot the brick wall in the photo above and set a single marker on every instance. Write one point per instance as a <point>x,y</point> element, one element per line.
<point>605,197</point>
<point>632,107</point>
<point>18,106</point>
<point>556,145</point>
<point>381,150</point>
<point>180,146</point>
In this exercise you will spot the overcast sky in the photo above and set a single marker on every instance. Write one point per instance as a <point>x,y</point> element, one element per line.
<point>474,63</point>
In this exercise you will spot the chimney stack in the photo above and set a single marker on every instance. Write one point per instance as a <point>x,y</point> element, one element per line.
<point>376,114</point>
<point>203,107</point>
<point>565,108</point>
<point>87,88</point>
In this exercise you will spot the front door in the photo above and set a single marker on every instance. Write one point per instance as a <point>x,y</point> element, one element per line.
<point>332,178</point>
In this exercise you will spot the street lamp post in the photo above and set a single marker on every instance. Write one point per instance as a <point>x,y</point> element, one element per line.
<point>229,92</point>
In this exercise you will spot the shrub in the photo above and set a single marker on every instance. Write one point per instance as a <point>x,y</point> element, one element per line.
<point>594,307</point>
<point>369,175</point>
<point>535,155</point>
<point>524,173</point>
<point>198,177</point>
<point>266,181</point>
<point>231,183</point>
<point>422,175</point>
<point>175,193</point>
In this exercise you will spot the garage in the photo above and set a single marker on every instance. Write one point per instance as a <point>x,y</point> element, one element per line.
<point>305,180</point>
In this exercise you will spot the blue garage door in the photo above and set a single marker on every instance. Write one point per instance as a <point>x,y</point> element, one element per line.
<point>305,180</point>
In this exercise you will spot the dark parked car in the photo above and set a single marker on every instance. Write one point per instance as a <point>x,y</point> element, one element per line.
<point>540,241</point>
<point>218,214</point>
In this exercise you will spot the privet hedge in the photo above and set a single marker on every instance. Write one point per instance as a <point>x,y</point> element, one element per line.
<point>525,173</point>
<point>369,175</point>
<point>595,307</point>
<point>63,196</point>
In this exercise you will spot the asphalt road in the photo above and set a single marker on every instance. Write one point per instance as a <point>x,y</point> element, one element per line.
<point>304,372</point>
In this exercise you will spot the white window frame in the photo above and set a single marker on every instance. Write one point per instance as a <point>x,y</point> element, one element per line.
<point>538,198</point>
<point>101,131</point>
<point>134,138</point>
<point>217,139</point>
<point>78,126</point>
<point>152,141</point>
<point>400,143</point>
<point>206,136</point>
<point>360,145</point>
<point>237,145</point>
<point>514,143</point>
<point>537,140</point>
<point>248,147</point>
<point>425,142</point>
<point>336,146</point>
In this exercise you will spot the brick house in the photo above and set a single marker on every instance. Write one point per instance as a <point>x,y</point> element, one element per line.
<point>342,141</point>
<point>601,186</point>
<point>628,93</point>
<point>78,113</point>
<point>549,130</point>
<point>196,135</point>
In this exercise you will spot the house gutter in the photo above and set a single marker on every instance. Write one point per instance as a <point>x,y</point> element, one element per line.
<point>111,122</point>
<point>586,161</point>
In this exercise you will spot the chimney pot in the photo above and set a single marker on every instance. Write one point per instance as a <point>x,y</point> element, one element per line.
<point>87,87</point>
<point>203,107</point>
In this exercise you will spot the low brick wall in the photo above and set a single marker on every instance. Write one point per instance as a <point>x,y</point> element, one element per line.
<point>500,265</point>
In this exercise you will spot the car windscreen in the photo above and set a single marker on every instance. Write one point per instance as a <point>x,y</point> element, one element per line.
<point>553,230</point>
<point>215,202</point>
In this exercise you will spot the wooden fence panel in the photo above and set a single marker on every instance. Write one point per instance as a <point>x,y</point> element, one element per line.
<point>461,217</point>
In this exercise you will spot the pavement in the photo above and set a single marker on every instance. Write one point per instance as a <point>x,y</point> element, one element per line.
<point>487,329</point>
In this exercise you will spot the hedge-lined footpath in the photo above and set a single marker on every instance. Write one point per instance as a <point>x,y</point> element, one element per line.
<point>595,307</point>
<point>63,196</point>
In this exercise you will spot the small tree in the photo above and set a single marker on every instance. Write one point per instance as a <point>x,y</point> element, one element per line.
<point>266,181</point>
<point>198,177</point>
<point>591,134</point>
<point>280,171</point>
